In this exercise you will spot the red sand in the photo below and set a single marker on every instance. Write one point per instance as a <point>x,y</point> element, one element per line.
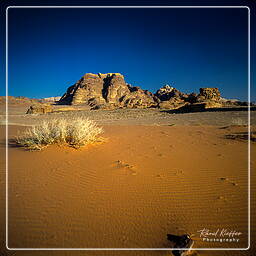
<point>142,183</point>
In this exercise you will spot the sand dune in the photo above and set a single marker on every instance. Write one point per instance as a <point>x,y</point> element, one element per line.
<point>130,191</point>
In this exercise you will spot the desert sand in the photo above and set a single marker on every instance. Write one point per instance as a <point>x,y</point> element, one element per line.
<point>142,182</point>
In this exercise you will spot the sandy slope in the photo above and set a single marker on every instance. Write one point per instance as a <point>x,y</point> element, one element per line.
<point>144,182</point>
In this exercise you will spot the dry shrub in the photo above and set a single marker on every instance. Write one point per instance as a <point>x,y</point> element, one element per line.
<point>239,121</point>
<point>75,132</point>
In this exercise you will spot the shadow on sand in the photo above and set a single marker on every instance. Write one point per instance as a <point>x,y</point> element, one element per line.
<point>12,144</point>
<point>186,109</point>
<point>242,136</point>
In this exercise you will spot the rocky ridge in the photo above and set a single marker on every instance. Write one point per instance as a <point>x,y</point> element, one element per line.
<point>110,91</point>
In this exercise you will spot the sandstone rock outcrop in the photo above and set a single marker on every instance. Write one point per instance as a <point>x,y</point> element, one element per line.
<point>88,88</point>
<point>138,98</point>
<point>208,94</point>
<point>110,91</point>
<point>171,98</point>
<point>167,92</point>
<point>208,98</point>
<point>39,109</point>
<point>107,91</point>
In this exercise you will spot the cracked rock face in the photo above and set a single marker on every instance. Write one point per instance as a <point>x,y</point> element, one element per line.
<point>107,91</point>
<point>88,88</point>
<point>208,94</point>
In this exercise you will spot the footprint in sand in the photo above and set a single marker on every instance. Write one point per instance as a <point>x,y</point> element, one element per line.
<point>122,165</point>
<point>69,163</point>
<point>222,198</point>
<point>231,182</point>
<point>178,172</point>
<point>223,178</point>
<point>124,239</point>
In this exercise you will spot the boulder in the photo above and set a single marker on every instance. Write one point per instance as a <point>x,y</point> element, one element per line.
<point>39,109</point>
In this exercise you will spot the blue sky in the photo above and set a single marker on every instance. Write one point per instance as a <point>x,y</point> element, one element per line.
<point>50,49</point>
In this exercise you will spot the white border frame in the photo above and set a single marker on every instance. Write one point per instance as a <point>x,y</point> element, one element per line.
<point>131,249</point>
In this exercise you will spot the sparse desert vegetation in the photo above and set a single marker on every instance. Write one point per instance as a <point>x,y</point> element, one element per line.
<point>75,132</point>
<point>239,121</point>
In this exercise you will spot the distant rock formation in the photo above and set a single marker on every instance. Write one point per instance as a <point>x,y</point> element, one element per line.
<point>208,94</point>
<point>40,109</point>
<point>110,91</point>
<point>167,92</point>
<point>172,98</point>
<point>107,91</point>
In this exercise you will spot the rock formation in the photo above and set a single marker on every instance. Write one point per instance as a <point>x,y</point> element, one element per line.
<point>167,92</point>
<point>39,109</point>
<point>171,98</point>
<point>208,94</point>
<point>110,91</point>
<point>209,98</point>
<point>107,91</point>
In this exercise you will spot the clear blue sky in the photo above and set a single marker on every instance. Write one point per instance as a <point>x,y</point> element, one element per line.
<point>50,49</point>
